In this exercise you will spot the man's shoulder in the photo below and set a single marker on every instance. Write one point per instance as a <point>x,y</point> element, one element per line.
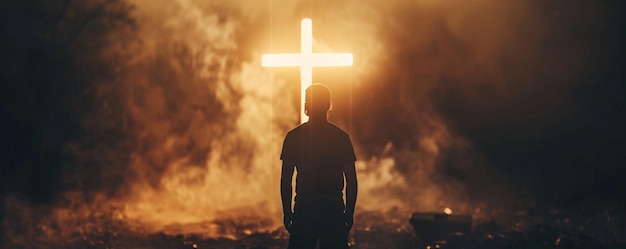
<point>295,133</point>
<point>339,129</point>
<point>297,130</point>
<point>305,127</point>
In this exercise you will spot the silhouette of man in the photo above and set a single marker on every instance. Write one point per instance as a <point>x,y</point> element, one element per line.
<point>323,155</point>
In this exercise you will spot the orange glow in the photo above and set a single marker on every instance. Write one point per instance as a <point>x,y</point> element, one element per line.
<point>306,60</point>
<point>447,211</point>
<point>197,172</point>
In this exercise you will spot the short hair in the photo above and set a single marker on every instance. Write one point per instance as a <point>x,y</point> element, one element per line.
<point>317,94</point>
<point>317,99</point>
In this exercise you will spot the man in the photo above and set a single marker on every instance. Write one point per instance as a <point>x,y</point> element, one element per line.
<point>323,155</point>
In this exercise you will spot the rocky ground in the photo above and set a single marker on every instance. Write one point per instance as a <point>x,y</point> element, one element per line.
<point>580,227</point>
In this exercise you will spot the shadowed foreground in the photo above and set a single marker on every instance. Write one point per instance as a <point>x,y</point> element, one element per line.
<point>583,226</point>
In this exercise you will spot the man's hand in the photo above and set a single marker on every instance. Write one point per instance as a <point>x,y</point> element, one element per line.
<point>288,221</point>
<point>349,220</point>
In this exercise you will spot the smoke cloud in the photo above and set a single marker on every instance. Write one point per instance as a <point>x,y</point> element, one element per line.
<point>158,114</point>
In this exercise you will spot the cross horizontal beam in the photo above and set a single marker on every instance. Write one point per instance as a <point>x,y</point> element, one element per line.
<point>306,60</point>
<point>312,60</point>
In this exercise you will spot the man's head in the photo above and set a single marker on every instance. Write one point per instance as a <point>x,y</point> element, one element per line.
<point>317,100</point>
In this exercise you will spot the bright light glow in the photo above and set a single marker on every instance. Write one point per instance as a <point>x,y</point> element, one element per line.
<point>306,60</point>
<point>447,211</point>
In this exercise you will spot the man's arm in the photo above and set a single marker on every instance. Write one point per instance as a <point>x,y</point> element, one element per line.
<point>352,187</point>
<point>285,191</point>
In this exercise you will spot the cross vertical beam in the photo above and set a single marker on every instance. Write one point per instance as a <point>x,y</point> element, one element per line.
<point>306,60</point>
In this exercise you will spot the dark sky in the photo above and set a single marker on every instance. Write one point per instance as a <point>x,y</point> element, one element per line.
<point>557,117</point>
<point>541,97</point>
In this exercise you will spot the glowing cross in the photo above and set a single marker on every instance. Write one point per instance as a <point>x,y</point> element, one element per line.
<point>306,60</point>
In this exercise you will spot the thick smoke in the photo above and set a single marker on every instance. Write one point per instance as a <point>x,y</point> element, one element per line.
<point>158,113</point>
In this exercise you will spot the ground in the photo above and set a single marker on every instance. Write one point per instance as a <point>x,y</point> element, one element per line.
<point>581,227</point>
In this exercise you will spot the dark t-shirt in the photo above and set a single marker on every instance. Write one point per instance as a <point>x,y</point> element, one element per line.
<point>320,151</point>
